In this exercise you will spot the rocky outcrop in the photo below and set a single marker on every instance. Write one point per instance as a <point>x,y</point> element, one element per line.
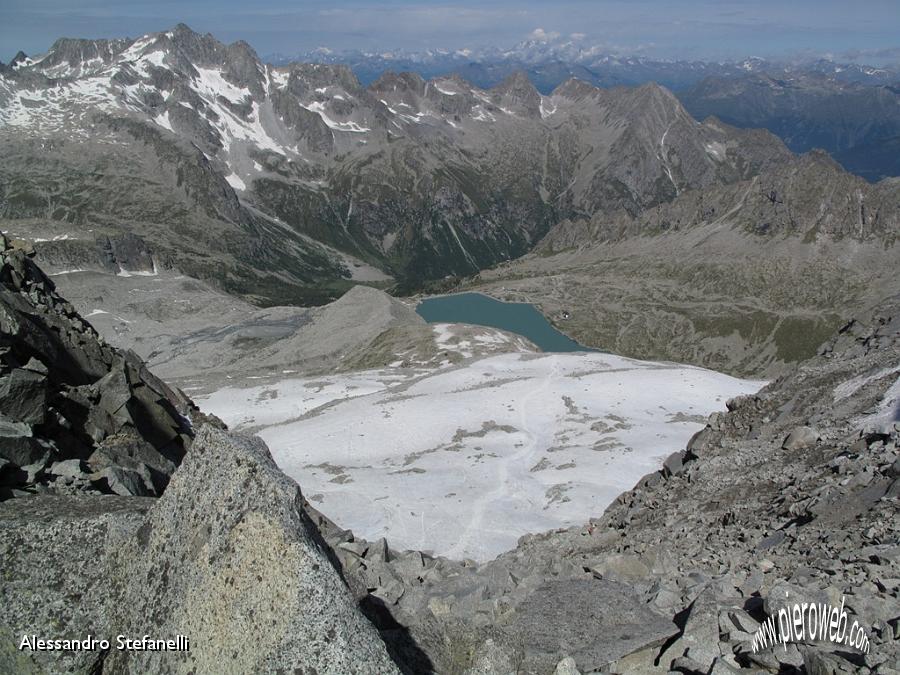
<point>230,559</point>
<point>226,557</point>
<point>117,254</point>
<point>77,415</point>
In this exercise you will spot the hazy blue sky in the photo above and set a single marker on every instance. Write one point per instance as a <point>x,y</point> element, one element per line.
<point>667,28</point>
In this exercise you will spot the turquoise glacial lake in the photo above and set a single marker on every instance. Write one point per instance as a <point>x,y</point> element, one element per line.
<point>516,317</point>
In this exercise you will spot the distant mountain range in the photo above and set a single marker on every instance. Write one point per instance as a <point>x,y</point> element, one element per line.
<point>549,62</point>
<point>849,110</point>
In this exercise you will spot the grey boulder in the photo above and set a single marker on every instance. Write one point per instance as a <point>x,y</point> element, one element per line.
<point>56,554</point>
<point>800,438</point>
<point>17,443</point>
<point>595,622</point>
<point>228,558</point>
<point>23,396</point>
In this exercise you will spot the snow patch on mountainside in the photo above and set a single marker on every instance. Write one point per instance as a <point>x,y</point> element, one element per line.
<point>319,108</point>
<point>213,84</point>
<point>235,181</point>
<point>547,107</point>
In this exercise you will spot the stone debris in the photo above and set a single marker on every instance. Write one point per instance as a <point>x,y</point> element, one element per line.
<point>77,415</point>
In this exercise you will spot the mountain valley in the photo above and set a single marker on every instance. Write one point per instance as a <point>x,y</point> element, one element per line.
<point>222,413</point>
<point>743,278</point>
<point>419,179</point>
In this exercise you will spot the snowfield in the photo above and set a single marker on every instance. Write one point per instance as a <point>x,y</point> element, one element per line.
<point>463,460</point>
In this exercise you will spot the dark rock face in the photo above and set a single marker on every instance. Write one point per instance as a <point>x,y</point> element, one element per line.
<point>115,254</point>
<point>77,415</point>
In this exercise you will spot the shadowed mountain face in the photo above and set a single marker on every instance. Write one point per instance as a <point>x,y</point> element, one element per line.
<point>874,160</point>
<point>857,123</point>
<point>283,183</point>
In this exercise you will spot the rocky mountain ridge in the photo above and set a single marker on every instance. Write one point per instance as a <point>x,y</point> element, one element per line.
<point>417,178</point>
<point>808,111</point>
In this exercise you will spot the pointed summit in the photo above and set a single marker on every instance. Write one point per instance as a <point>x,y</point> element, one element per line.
<point>238,62</point>
<point>398,82</point>
<point>517,83</point>
<point>655,92</point>
<point>575,89</point>
<point>518,94</point>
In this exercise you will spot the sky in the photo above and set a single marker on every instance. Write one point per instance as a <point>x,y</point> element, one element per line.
<point>861,30</point>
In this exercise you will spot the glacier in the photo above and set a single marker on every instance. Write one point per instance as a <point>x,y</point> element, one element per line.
<point>462,459</point>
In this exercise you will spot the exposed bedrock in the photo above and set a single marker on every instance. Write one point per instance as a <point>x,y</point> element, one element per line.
<point>226,557</point>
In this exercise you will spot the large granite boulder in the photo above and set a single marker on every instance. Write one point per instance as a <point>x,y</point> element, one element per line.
<point>226,558</point>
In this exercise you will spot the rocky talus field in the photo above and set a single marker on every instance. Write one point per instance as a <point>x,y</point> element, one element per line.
<point>790,494</point>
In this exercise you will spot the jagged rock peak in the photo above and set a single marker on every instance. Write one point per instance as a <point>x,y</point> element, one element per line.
<point>574,89</point>
<point>517,84</point>
<point>651,91</point>
<point>184,37</point>
<point>325,75</point>
<point>76,52</point>
<point>518,91</point>
<point>399,82</point>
